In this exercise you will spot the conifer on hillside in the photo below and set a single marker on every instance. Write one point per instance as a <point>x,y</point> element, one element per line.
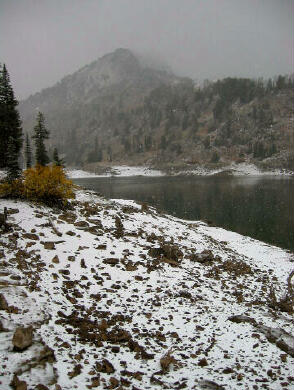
<point>13,169</point>
<point>28,152</point>
<point>59,162</point>
<point>40,135</point>
<point>10,124</point>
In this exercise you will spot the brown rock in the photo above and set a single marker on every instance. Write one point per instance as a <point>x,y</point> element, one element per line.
<point>101,246</point>
<point>95,382</point>
<point>55,259</point>
<point>202,362</point>
<point>22,338</point>
<point>68,217</point>
<point>210,385</point>
<point>3,303</point>
<point>2,329</point>
<point>49,245</point>
<point>64,271</point>
<point>131,266</point>
<point>12,211</point>
<point>31,236</point>
<point>41,387</point>
<point>113,382</point>
<point>70,233</point>
<point>76,371</point>
<point>81,224</point>
<point>16,384</point>
<point>111,261</point>
<point>105,366</point>
<point>204,257</point>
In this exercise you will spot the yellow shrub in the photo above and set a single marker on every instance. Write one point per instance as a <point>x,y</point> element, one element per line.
<point>46,184</point>
<point>13,189</point>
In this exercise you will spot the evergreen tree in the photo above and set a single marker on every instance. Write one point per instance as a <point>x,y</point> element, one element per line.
<point>10,124</point>
<point>13,170</point>
<point>28,152</point>
<point>57,160</point>
<point>40,134</point>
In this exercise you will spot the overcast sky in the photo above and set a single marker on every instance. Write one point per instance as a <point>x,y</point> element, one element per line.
<point>41,41</point>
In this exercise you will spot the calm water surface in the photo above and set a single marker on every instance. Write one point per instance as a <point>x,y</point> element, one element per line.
<point>257,207</point>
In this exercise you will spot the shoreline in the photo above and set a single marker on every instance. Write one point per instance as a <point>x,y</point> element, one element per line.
<point>128,171</point>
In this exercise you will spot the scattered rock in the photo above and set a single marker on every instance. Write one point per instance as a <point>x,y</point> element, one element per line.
<point>22,338</point>
<point>105,366</point>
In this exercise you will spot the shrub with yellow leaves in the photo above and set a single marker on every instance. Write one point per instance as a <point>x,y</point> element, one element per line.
<point>47,184</point>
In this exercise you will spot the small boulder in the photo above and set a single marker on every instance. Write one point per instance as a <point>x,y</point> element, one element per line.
<point>111,261</point>
<point>49,245</point>
<point>16,384</point>
<point>22,338</point>
<point>105,366</point>
<point>205,257</point>
<point>31,236</point>
<point>41,387</point>
<point>3,303</point>
<point>55,259</point>
<point>70,233</point>
<point>81,224</point>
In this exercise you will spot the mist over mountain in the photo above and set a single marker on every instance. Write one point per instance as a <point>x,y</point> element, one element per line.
<point>127,108</point>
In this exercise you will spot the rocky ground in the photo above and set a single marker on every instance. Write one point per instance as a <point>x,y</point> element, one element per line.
<point>114,295</point>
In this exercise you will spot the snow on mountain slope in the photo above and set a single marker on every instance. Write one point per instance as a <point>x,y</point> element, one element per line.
<point>120,296</point>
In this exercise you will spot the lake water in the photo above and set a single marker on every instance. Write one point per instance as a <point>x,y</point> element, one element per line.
<point>259,207</point>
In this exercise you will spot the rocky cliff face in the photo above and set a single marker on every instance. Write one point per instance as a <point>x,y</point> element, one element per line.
<point>118,110</point>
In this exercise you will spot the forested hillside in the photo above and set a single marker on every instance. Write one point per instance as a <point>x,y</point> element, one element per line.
<point>117,110</point>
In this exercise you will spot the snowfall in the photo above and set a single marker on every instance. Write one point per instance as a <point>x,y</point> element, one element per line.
<point>119,296</point>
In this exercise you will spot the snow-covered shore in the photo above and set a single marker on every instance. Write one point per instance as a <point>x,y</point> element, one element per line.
<point>126,171</point>
<point>120,296</point>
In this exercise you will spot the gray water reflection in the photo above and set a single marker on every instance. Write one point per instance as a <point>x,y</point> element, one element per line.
<point>255,206</point>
